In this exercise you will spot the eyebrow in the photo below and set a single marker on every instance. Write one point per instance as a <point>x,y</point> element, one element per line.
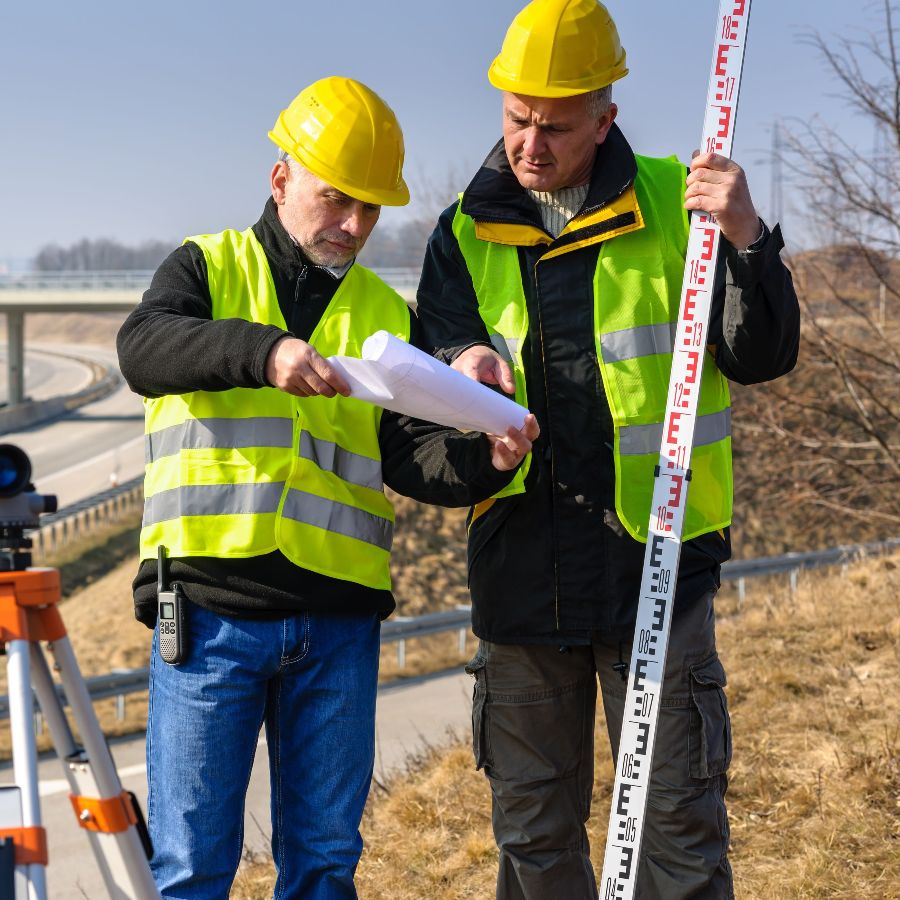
<point>518,118</point>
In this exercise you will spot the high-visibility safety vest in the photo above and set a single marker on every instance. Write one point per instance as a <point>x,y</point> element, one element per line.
<point>637,289</point>
<point>245,471</point>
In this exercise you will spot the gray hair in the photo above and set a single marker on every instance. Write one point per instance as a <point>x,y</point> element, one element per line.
<point>289,161</point>
<point>598,101</point>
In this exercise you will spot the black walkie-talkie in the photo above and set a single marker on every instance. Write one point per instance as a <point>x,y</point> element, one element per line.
<point>170,615</point>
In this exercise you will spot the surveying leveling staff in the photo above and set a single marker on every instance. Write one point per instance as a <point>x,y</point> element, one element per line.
<point>558,276</point>
<point>264,483</point>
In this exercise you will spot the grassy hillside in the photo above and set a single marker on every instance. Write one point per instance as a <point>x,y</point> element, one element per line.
<point>815,785</point>
<point>814,684</point>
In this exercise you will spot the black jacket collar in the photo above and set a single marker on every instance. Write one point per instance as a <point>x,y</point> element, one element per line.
<point>494,194</point>
<point>281,251</point>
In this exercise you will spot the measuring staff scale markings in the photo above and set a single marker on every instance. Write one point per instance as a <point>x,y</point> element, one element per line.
<point>672,480</point>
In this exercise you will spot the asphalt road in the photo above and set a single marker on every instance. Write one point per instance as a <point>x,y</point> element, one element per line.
<point>46,374</point>
<point>84,452</point>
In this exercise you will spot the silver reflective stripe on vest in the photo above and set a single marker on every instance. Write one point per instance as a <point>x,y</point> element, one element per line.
<point>506,347</point>
<point>206,434</point>
<point>637,439</point>
<point>347,466</point>
<point>338,518</point>
<point>644,340</point>
<point>213,500</point>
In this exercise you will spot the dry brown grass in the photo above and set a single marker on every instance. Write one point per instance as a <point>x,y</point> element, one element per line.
<point>815,695</point>
<point>815,785</point>
<point>814,692</point>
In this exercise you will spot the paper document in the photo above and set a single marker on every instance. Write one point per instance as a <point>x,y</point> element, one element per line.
<point>397,376</point>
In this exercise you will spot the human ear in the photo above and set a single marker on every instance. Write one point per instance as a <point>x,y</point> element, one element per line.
<point>278,179</point>
<point>605,123</point>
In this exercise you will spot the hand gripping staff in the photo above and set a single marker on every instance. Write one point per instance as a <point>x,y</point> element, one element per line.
<point>673,474</point>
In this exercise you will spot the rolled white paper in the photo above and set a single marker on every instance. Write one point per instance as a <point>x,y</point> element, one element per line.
<point>399,377</point>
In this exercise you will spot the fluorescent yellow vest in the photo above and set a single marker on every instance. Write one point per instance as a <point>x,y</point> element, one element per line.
<point>637,288</point>
<point>243,472</point>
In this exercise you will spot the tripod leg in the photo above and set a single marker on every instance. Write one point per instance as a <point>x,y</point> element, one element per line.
<point>91,773</point>
<point>24,749</point>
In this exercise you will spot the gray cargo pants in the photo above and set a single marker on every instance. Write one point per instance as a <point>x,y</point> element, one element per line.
<point>533,733</point>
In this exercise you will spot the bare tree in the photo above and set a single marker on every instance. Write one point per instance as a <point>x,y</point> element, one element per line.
<point>101,254</point>
<point>824,453</point>
<point>403,245</point>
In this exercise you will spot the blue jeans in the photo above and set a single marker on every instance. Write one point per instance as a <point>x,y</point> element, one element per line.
<point>312,680</point>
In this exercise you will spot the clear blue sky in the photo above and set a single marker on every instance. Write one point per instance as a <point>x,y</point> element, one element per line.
<point>139,121</point>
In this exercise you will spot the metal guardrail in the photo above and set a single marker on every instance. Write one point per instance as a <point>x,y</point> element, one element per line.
<point>741,569</point>
<point>86,280</point>
<point>403,628</point>
<point>79,519</point>
<point>139,280</point>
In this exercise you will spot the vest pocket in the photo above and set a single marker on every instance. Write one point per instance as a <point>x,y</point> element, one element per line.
<point>710,730</point>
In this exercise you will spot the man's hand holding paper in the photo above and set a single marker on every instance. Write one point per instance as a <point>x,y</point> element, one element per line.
<point>483,364</point>
<point>510,449</point>
<point>397,376</point>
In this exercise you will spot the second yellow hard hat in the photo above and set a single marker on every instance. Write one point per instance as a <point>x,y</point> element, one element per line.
<point>558,48</point>
<point>345,134</point>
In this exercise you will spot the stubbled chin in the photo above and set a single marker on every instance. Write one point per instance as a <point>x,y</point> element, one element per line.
<point>535,181</point>
<point>330,260</point>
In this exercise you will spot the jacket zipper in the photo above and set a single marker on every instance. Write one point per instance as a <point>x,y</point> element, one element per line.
<point>299,287</point>
<point>300,283</point>
<point>537,296</point>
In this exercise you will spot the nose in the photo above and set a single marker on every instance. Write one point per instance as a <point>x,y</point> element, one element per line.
<point>354,224</point>
<point>534,144</point>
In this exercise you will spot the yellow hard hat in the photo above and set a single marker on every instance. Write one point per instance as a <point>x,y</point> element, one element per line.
<point>558,48</point>
<point>345,134</point>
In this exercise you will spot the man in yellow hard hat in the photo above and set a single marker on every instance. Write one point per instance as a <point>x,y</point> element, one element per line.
<point>264,495</point>
<point>558,276</point>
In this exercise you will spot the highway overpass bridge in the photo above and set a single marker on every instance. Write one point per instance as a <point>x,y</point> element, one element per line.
<point>94,292</point>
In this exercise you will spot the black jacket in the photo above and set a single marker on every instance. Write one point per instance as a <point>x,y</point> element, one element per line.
<point>554,564</point>
<point>170,345</point>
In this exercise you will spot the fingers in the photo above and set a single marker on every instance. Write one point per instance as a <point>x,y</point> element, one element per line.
<point>714,161</point>
<point>503,459</point>
<point>504,376</point>
<point>717,185</point>
<point>298,368</point>
<point>484,364</point>
<point>324,378</point>
<point>509,450</point>
<point>531,429</point>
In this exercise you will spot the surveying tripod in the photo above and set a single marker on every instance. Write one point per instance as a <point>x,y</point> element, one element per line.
<point>110,816</point>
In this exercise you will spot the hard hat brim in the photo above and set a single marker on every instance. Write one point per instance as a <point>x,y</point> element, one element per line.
<point>382,197</point>
<point>506,81</point>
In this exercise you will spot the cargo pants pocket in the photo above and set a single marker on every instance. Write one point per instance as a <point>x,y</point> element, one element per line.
<point>710,729</point>
<point>479,694</point>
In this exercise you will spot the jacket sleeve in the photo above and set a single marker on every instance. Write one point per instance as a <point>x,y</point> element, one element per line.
<point>448,307</point>
<point>438,465</point>
<point>432,463</point>
<point>170,344</point>
<point>755,316</point>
